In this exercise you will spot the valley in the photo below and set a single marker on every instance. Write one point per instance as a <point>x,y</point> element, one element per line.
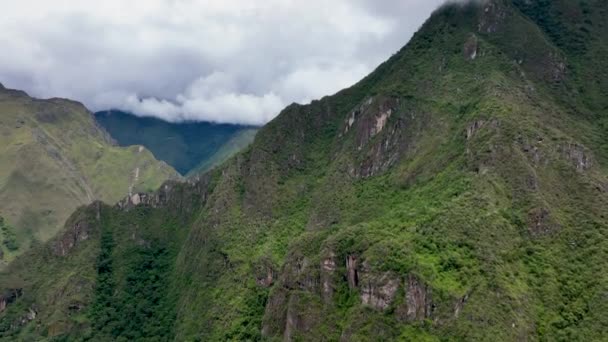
<point>189,147</point>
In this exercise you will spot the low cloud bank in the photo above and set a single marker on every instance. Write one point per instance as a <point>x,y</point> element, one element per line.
<point>228,61</point>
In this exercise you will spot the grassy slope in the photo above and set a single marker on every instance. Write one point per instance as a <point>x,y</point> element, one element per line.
<point>502,223</point>
<point>54,158</point>
<point>182,145</point>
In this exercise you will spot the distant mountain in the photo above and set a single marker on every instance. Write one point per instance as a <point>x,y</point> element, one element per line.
<point>235,144</point>
<point>54,158</point>
<point>186,146</point>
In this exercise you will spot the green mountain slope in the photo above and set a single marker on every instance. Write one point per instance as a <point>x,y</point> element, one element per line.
<point>237,143</point>
<point>459,192</point>
<point>189,147</point>
<point>54,158</point>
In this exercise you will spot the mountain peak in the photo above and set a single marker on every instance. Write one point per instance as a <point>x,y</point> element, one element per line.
<point>457,192</point>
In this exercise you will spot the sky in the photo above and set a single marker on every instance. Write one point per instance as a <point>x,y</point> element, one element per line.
<point>225,61</point>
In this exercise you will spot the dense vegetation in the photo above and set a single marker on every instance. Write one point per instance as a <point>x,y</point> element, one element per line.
<point>549,16</point>
<point>140,306</point>
<point>54,158</point>
<point>459,192</point>
<point>9,239</point>
<point>184,145</point>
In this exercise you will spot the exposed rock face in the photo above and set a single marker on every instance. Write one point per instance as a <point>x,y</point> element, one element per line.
<point>578,156</point>
<point>378,291</point>
<point>381,121</point>
<point>356,114</point>
<point>304,289</point>
<point>371,118</point>
<point>77,233</point>
<point>533,151</point>
<point>473,128</point>
<point>351,271</point>
<point>300,274</point>
<point>179,196</point>
<point>382,135</point>
<point>286,312</point>
<point>557,68</point>
<point>418,301</point>
<point>135,199</point>
<point>267,280</point>
<point>470,48</point>
<point>275,312</point>
<point>153,200</point>
<point>9,297</point>
<point>298,320</point>
<point>460,305</point>
<point>78,229</point>
<point>293,322</point>
<point>30,315</point>
<point>382,155</point>
<point>481,160</point>
<point>328,269</point>
<point>494,14</point>
<point>264,273</point>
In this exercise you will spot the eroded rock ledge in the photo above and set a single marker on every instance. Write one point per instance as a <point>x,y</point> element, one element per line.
<point>408,297</point>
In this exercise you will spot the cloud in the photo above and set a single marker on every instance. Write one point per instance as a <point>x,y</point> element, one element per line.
<point>231,61</point>
<point>214,98</point>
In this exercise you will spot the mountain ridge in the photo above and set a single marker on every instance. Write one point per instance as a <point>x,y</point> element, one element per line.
<point>453,194</point>
<point>55,158</point>
<point>186,145</point>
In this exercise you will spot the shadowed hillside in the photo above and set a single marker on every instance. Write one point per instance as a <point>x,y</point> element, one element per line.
<point>188,147</point>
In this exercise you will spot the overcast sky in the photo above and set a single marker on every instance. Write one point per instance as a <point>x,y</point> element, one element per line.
<point>230,61</point>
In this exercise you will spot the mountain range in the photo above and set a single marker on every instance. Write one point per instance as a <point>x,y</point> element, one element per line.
<point>457,193</point>
<point>53,158</point>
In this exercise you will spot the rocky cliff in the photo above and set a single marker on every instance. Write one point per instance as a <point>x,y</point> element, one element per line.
<point>456,193</point>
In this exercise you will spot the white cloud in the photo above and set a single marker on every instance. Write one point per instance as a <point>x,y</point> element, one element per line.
<point>214,98</point>
<point>225,61</point>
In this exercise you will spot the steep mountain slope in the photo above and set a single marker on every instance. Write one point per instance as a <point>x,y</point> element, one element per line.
<point>54,158</point>
<point>459,192</point>
<point>185,146</point>
<point>237,143</point>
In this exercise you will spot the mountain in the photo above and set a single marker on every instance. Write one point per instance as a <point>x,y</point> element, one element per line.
<point>238,142</point>
<point>53,159</point>
<point>459,192</point>
<point>186,146</point>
